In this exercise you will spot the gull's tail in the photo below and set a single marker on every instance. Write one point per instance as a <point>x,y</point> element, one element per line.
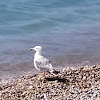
<point>53,71</point>
<point>56,72</point>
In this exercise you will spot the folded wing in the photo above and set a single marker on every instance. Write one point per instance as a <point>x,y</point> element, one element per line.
<point>43,64</point>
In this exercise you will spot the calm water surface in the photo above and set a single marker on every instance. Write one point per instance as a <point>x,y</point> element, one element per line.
<point>68,30</point>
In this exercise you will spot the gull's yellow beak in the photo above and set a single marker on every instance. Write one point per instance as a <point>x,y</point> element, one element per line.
<point>31,48</point>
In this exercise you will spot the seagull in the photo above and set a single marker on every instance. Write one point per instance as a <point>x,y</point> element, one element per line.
<point>40,62</point>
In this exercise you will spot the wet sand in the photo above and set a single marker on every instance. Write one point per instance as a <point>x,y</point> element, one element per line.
<point>10,70</point>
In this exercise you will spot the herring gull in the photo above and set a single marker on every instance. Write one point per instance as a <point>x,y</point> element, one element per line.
<point>40,62</point>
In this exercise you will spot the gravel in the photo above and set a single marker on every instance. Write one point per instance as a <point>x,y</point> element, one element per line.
<point>82,83</point>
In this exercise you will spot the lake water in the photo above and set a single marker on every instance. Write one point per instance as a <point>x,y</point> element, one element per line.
<point>68,31</point>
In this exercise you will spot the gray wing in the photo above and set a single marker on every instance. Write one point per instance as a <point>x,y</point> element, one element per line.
<point>43,64</point>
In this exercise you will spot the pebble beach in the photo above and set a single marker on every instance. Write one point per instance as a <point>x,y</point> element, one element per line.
<point>68,31</point>
<point>71,83</point>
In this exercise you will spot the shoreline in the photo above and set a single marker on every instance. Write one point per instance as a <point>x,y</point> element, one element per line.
<point>10,69</point>
<point>70,83</point>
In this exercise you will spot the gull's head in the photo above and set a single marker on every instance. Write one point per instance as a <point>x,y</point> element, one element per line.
<point>37,48</point>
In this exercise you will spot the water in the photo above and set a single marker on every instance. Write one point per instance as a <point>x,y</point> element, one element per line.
<point>68,31</point>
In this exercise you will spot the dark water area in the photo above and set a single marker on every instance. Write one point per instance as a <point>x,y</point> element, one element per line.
<point>68,31</point>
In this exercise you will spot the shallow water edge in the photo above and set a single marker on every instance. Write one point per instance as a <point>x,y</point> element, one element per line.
<point>9,70</point>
